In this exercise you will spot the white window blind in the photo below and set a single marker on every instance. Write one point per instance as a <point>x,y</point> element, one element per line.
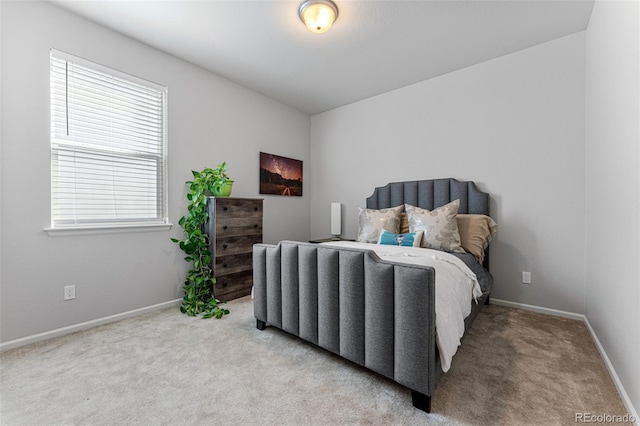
<point>108,146</point>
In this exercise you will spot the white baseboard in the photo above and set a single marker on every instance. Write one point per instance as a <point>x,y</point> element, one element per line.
<point>614,376</point>
<point>12,344</point>
<point>612,371</point>
<point>539,309</point>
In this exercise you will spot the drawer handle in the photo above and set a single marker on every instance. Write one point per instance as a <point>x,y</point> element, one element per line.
<point>255,209</point>
<point>255,226</point>
<point>224,227</point>
<point>225,208</point>
<point>224,247</point>
<point>224,284</point>
<point>224,265</point>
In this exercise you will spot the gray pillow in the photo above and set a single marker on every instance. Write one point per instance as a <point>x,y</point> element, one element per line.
<point>371,222</point>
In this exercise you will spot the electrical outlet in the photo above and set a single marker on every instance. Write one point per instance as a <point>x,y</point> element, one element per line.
<point>69,292</point>
<point>526,277</point>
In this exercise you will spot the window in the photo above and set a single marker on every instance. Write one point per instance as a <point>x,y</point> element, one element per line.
<point>108,147</point>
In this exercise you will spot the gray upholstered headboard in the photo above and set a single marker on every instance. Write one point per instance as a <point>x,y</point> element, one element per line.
<point>430,194</point>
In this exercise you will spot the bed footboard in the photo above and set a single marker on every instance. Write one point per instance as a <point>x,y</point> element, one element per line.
<point>375,313</point>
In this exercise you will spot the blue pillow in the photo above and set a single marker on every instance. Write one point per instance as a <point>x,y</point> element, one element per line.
<point>411,239</point>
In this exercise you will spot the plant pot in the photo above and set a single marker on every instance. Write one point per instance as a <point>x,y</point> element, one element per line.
<point>223,190</point>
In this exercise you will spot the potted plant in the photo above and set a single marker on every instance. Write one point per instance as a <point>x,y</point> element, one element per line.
<point>222,185</point>
<point>198,288</point>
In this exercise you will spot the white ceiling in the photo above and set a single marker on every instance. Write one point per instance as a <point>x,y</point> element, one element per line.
<point>374,46</point>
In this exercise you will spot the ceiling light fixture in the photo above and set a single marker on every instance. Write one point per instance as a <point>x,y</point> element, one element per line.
<point>318,15</point>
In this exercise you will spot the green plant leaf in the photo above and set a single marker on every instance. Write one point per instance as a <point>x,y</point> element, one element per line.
<point>198,288</point>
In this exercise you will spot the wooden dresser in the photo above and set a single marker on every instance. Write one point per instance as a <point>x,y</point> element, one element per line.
<point>235,225</point>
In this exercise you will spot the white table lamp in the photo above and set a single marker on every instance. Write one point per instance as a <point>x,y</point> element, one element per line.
<point>336,220</point>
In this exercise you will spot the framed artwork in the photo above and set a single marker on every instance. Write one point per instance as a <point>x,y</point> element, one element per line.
<point>280,175</point>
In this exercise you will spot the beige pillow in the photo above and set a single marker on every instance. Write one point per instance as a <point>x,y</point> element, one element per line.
<point>476,232</point>
<point>404,223</point>
<point>439,225</point>
<point>371,222</point>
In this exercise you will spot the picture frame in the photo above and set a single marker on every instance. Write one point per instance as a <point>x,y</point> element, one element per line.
<point>280,175</point>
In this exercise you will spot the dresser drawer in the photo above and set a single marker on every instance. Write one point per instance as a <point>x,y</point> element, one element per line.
<point>233,245</point>
<point>232,286</point>
<point>226,265</point>
<point>238,226</point>
<point>238,207</point>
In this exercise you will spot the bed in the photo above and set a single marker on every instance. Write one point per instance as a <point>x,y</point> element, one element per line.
<point>376,304</point>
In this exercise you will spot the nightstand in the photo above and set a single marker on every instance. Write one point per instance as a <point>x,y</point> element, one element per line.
<point>329,240</point>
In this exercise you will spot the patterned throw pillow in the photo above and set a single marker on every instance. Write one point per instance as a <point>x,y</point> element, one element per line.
<point>439,225</point>
<point>372,222</point>
<point>410,239</point>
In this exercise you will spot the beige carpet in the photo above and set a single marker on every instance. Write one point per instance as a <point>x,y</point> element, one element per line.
<point>514,367</point>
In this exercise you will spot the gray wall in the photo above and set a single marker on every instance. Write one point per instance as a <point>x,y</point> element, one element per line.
<point>210,120</point>
<point>613,186</point>
<point>515,125</point>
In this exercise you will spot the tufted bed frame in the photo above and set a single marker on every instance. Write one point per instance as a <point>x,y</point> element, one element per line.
<point>377,314</point>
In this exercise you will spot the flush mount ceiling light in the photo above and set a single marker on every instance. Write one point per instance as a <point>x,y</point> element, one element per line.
<point>318,15</point>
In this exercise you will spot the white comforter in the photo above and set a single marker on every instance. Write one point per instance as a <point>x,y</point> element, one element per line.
<point>456,287</point>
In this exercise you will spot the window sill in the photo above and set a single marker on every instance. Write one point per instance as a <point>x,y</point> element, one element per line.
<point>106,229</point>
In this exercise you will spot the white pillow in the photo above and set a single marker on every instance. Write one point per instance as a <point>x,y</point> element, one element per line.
<point>439,225</point>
